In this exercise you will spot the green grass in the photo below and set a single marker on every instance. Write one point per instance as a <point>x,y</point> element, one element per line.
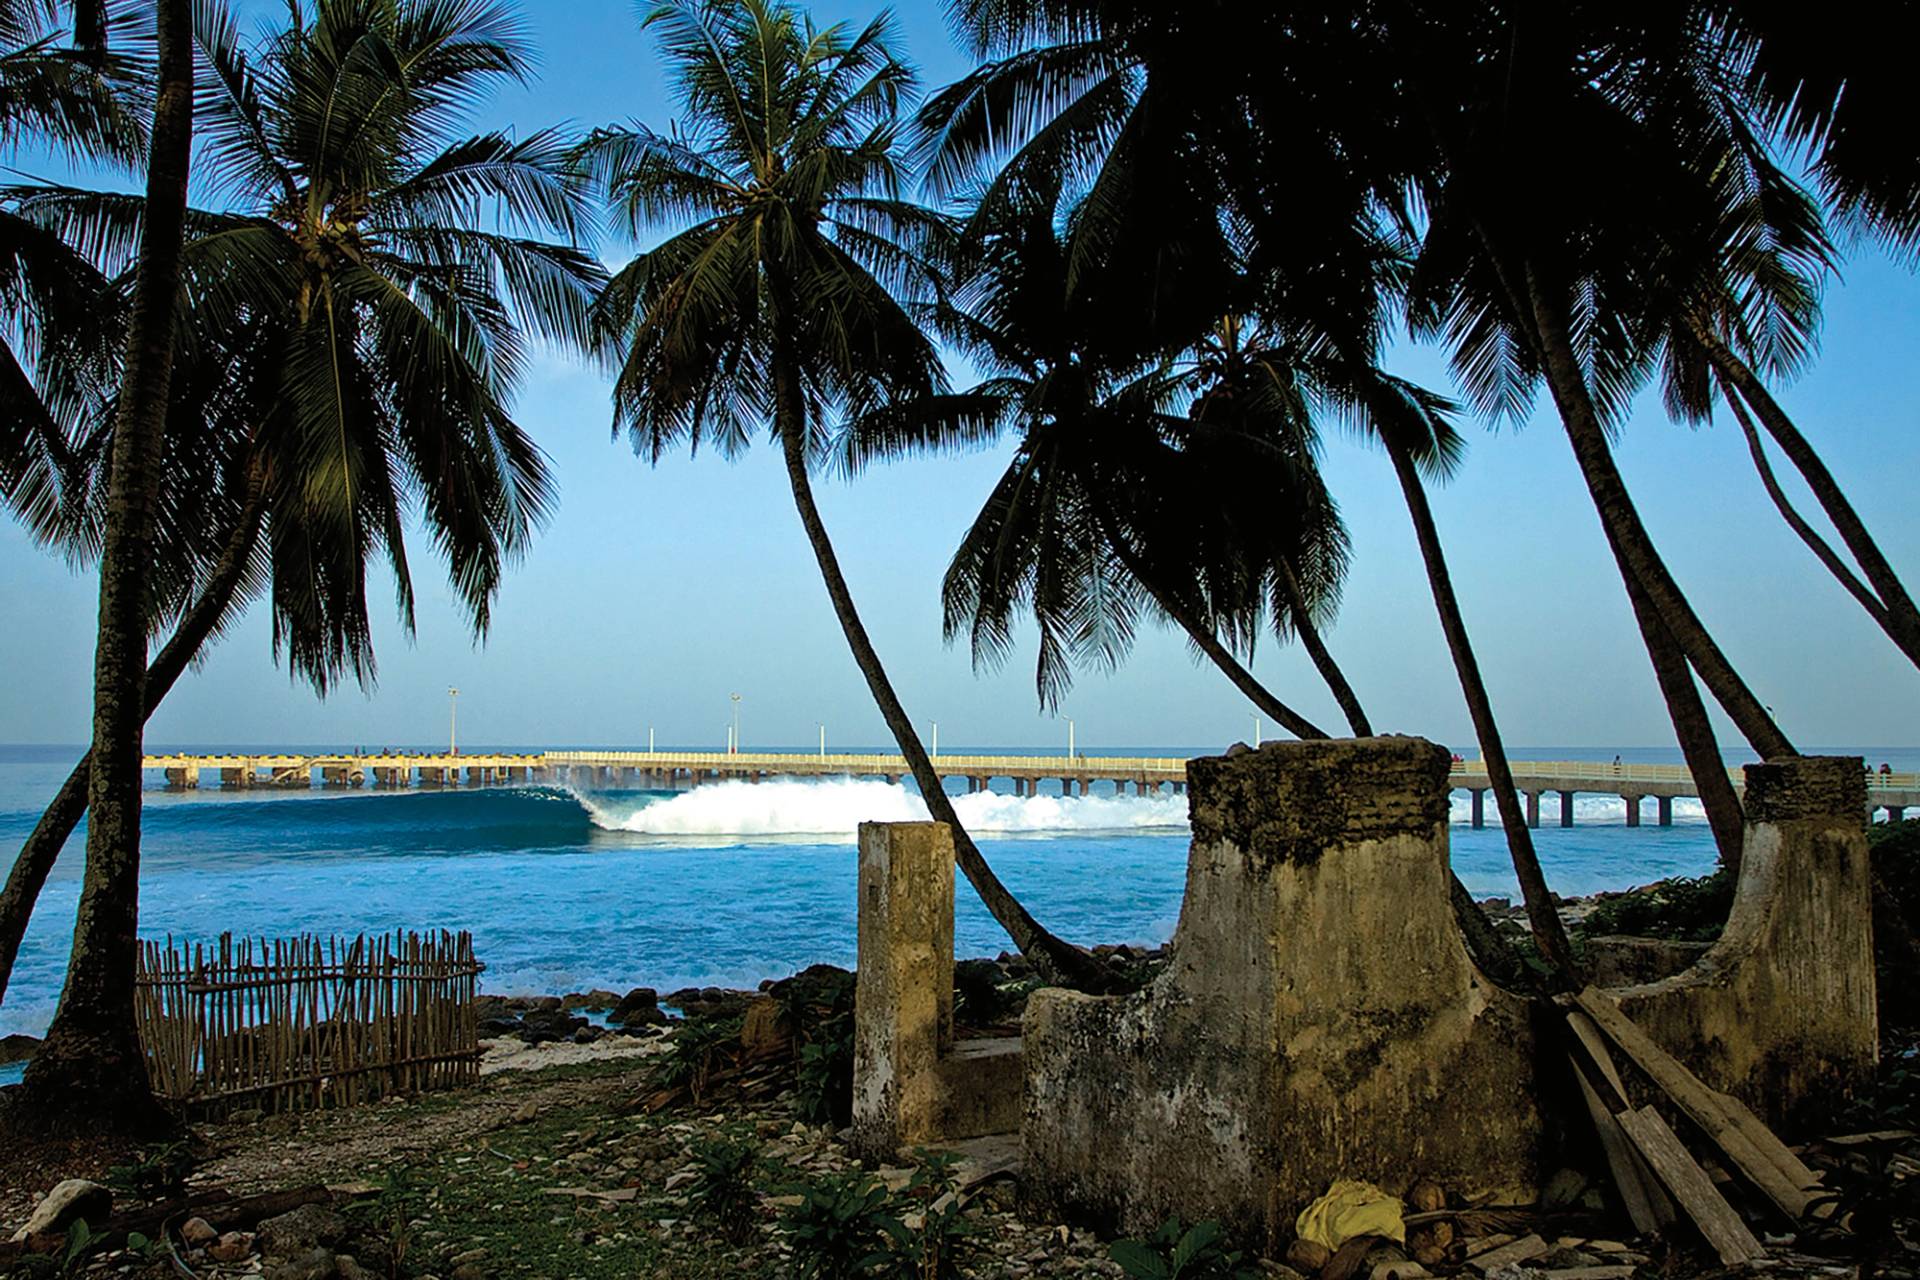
<point>480,1197</point>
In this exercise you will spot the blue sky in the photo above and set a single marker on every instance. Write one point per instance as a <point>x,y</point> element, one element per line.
<point>656,592</point>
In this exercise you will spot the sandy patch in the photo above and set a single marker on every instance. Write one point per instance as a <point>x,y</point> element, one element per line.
<point>513,1055</point>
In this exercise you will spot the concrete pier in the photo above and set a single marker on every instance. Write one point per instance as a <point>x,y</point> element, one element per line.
<point>1891,794</point>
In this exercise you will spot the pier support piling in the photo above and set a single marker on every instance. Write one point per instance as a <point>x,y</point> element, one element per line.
<point>1479,803</point>
<point>1665,804</point>
<point>1533,808</point>
<point>1566,808</point>
<point>1633,809</point>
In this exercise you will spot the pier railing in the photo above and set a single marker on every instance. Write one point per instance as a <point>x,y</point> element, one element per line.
<point>307,1022</point>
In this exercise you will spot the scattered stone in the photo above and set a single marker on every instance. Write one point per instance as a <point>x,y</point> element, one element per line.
<point>467,1271</point>
<point>74,1198</point>
<point>198,1233</point>
<point>525,1113</point>
<point>234,1246</point>
<point>17,1048</point>
<point>297,1233</point>
<point>1426,1196</point>
<point>317,1263</point>
<point>347,1267</point>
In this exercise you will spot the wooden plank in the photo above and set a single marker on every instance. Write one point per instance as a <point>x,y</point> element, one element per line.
<point>1517,1251</point>
<point>1707,1208</point>
<point>1588,1036</point>
<point>1638,1191</point>
<point>1754,1151</point>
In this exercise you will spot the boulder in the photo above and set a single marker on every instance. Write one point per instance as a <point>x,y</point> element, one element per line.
<point>542,1026</point>
<point>74,1198</point>
<point>596,999</point>
<point>198,1233</point>
<point>317,1263</point>
<point>764,1033</point>
<point>634,1001</point>
<point>17,1048</point>
<point>296,1233</point>
<point>348,1267</point>
<point>234,1246</point>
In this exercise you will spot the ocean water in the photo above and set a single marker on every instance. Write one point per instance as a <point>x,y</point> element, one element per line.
<point>723,885</point>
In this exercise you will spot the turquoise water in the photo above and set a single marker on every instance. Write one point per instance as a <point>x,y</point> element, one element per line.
<point>724,885</point>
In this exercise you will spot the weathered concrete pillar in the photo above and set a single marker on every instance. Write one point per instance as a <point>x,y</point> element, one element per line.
<point>893,779</point>
<point>1781,1012</point>
<point>183,779</point>
<point>1311,1025</point>
<point>1566,808</point>
<point>335,777</point>
<point>1665,806</point>
<point>1479,802</point>
<point>1633,809</point>
<point>911,1084</point>
<point>1533,808</point>
<point>1896,813</point>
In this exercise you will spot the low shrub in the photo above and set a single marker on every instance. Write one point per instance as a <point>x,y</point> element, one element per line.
<point>1681,909</point>
<point>723,1194</point>
<point>842,1228</point>
<point>1176,1252</point>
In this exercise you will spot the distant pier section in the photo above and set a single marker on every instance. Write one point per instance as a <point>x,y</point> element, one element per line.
<point>1635,784</point>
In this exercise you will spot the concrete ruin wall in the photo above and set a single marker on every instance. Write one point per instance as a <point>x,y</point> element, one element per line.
<point>1780,1012</point>
<point>1319,1018</point>
<point>912,1084</point>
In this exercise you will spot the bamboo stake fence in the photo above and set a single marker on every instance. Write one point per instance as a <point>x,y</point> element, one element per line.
<point>307,1022</point>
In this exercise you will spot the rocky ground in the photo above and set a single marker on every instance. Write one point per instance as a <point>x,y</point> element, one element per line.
<point>685,1135</point>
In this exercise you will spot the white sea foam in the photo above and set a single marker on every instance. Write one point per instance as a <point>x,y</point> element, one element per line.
<point>837,807</point>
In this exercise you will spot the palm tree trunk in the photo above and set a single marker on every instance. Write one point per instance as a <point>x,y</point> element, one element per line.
<point>1056,960</point>
<point>49,836</point>
<point>91,1071</point>
<point>1827,556</point>
<point>1490,951</point>
<point>1323,662</point>
<point>1633,549</point>
<point>1888,603</point>
<point>1698,744</point>
<point>1548,931</point>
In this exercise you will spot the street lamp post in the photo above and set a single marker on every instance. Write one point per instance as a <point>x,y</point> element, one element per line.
<point>453,721</point>
<point>1256,731</point>
<point>736,722</point>
<point>823,739</point>
<point>1071,753</point>
<point>936,738</point>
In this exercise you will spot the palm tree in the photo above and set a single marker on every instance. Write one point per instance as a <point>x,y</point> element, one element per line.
<point>780,302</point>
<point>90,1069</point>
<point>1112,500</point>
<point>359,320</point>
<point>1113,98</point>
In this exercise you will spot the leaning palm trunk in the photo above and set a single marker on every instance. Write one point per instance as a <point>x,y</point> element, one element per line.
<point>1632,548</point>
<point>90,1070</point>
<point>1548,931</point>
<point>1883,596</point>
<point>1056,960</point>
<point>1694,730</point>
<point>1323,659</point>
<point>1491,951</point>
<point>57,823</point>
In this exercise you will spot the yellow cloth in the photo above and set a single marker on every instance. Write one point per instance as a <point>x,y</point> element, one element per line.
<point>1351,1209</point>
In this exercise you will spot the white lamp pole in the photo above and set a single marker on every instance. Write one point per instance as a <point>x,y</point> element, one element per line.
<point>823,740</point>
<point>453,721</point>
<point>1070,747</point>
<point>649,739</point>
<point>736,722</point>
<point>936,737</point>
<point>1256,731</point>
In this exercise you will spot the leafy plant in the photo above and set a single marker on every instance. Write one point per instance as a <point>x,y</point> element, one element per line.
<point>1174,1252</point>
<point>697,1049</point>
<point>158,1173</point>
<point>842,1228</point>
<point>385,1214</point>
<point>1683,909</point>
<point>931,1236</point>
<point>977,998</point>
<point>820,1011</point>
<point>723,1193</point>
